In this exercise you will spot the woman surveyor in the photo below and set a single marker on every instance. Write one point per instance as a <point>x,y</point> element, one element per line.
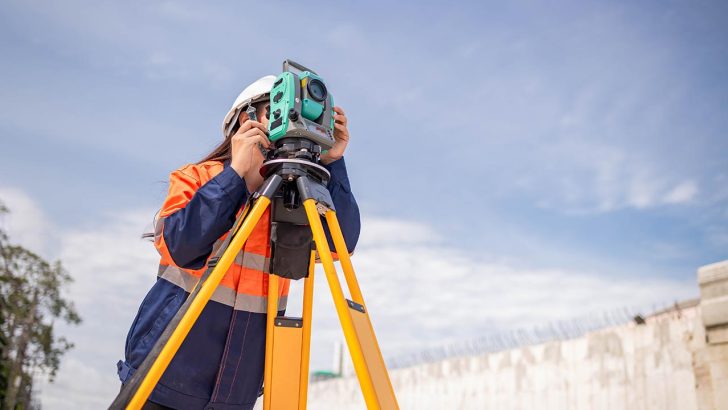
<point>220,364</point>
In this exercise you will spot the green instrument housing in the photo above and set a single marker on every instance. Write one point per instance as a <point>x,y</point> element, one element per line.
<point>282,99</point>
<point>301,107</point>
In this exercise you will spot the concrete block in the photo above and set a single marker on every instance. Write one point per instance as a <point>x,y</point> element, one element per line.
<point>713,281</point>
<point>717,334</point>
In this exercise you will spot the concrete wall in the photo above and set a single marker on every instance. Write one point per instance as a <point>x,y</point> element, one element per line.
<point>665,363</point>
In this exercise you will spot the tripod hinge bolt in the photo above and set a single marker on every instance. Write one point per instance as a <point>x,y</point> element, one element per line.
<point>321,208</point>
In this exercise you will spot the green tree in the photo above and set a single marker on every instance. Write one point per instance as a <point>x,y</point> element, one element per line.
<point>3,338</point>
<point>30,304</point>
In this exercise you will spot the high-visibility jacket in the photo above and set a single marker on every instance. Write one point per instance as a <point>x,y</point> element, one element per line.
<point>220,364</point>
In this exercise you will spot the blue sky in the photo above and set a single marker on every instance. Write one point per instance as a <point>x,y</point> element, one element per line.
<point>578,143</point>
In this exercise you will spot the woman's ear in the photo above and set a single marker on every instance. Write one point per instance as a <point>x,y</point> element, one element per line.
<point>242,117</point>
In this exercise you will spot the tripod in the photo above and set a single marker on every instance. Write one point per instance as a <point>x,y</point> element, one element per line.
<point>289,182</point>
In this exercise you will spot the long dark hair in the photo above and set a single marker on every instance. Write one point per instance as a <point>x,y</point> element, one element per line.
<point>221,152</point>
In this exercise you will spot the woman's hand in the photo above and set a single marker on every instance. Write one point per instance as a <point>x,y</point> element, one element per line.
<point>245,147</point>
<point>341,137</point>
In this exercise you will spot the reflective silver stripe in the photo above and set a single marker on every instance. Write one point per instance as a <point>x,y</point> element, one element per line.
<point>216,246</point>
<point>224,295</point>
<point>257,304</point>
<point>158,227</point>
<point>179,277</point>
<point>158,230</point>
<point>253,261</point>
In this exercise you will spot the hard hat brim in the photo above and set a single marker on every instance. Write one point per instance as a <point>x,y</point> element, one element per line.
<point>264,83</point>
<point>235,111</point>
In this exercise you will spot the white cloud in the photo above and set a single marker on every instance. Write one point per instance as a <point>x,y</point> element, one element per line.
<point>423,293</point>
<point>82,384</point>
<point>580,131</point>
<point>113,268</point>
<point>684,192</point>
<point>642,191</point>
<point>26,224</point>
<point>582,137</point>
<point>420,292</point>
<point>595,177</point>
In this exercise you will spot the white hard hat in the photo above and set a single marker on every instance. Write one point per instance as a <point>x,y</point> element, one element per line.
<point>258,91</point>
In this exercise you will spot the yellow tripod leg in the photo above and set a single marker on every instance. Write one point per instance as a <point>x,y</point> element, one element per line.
<point>287,350</point>
<point>344,258</point>
<point>362,323</point>
<point>272,312</point>
<point>358,332</point>
<point>195,309</point>
<point>306,347</point>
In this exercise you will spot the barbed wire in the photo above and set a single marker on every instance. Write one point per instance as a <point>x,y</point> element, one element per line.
<point>521,337</point>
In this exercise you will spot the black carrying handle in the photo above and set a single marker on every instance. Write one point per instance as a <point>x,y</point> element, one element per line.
<point>290,63</point>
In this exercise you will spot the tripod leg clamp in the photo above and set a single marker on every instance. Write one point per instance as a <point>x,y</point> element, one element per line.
<point>316,191</point>
<point>269,188</point>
